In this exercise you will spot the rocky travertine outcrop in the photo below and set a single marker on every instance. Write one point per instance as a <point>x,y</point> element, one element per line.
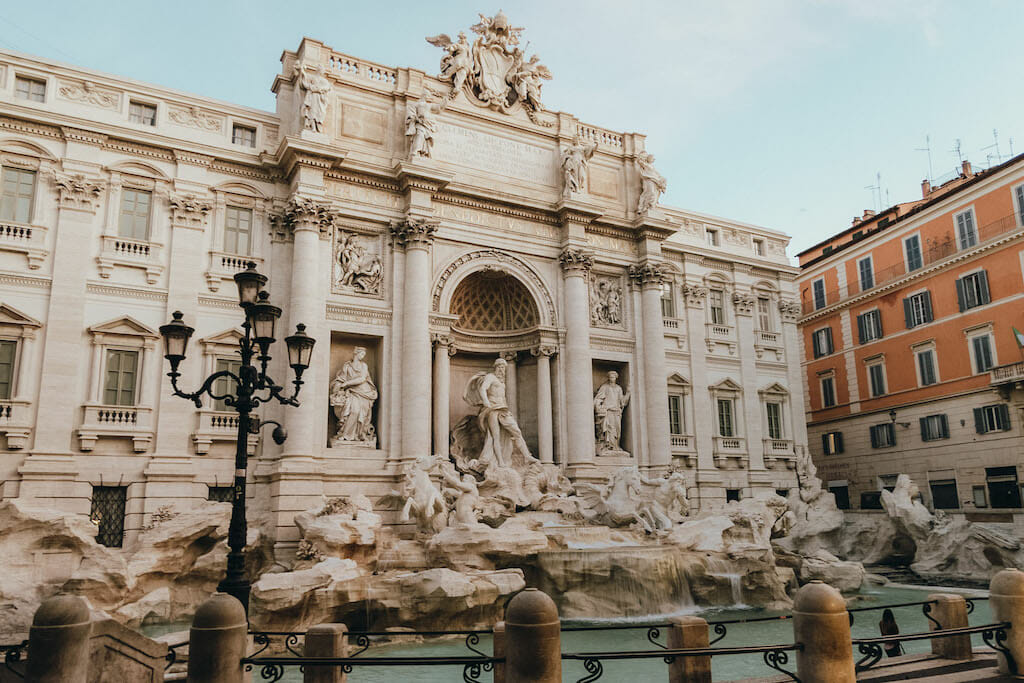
<point>343,527</point>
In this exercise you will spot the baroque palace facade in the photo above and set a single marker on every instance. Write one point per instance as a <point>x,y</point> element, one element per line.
<point>911,363</point>
<point>420,227</point>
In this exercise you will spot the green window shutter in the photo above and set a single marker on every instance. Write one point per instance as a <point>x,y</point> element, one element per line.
<point>924,428</point>
<point>1004,417</point>
<point>878,323</point>
<point>839,442</point>
<point>824,444</point>
<point>7,351</point>
<point>874,436</point>
<point>979,420</point>
<point>984,295</point>
<point>960,299</point>
<point>908,313</point>
<point>861,335</point>
<point>828,338</point>
<point>945,426</point>
<point>927,296</point>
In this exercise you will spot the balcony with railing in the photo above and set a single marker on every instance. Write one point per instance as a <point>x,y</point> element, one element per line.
<point>130,422</point>
<point>684,448</point>
<point>779,454</point>
<point>223,267</point>
<point>218,426</point>
<point>1011,372</point>
<point>23,238</point>
<point>130,253</point>
<point>16,422</point>
<point>730,452</point>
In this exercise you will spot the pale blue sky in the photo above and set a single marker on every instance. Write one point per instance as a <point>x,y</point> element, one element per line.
<point>771,112</point>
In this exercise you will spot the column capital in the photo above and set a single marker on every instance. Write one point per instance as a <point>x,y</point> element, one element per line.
<point>649,273</point>
<point>790,310</point>
<point>414,232</point>
<point>695,295</point>
<point>575,261</point>
<point>544,350</point>
<point>308,213</point>
<point>189,211</point>
<point>444,341</point>
<point>743,303</point>
<point>78,192</point>
<point>510,356</point>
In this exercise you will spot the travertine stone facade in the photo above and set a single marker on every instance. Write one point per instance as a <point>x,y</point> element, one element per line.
<point>143,200</point>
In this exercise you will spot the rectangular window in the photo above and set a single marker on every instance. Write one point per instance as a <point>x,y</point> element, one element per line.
<point>135,210</point>
<point>818,287</point>
<point>917,309</point>
<point>972,290</point>
<point>979,497</point>
<point>934,427</point>
<point>237,230</point>
<point>107,513</point>
<point>828,392</point>
<point>225,385</point>
<point>926,368</point>
<point>876,379</point>
<point>1003,491</point>
<point>871,500</point>
<point>712,237</point>
<point>774,411</point>
<point>764,314</point>
<point>981,347</point>
<point>732,495</point>
<point>758,247</point>
<point>8,349</point>
<point>220,494</point>
<point>966,234</point>
<point>30,89</point>
<point>832,443</point>
<point>668,305</point>
<point>18,191</point>
<point>883,435</point>
<point>869,326</point>
<point>716,299</point>
<point>725,419</point>
<point>821,341</point>
<point>912,249</point>
<point>993,418</point>
<point>842,494</point>
<point>121,374</point>
<point>867,273</point>
<point>243,135</point>
<point>1018,192</point>
<point>675,414</point>
<point>944,495</point>
<point>140,112</point>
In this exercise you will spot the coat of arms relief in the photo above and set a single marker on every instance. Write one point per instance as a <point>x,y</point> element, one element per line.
<point>493,71</point>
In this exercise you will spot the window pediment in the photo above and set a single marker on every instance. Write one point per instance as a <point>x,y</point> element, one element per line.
<point>726,386</point>
<point>12,316</point>
<point>774,389</point>
<point>124,328</point>
<point>223,341</point>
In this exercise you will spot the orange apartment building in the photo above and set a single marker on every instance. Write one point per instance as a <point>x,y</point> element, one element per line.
<point>909,355</point>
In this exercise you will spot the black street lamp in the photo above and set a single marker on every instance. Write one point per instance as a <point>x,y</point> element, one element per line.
<point>260,320</point>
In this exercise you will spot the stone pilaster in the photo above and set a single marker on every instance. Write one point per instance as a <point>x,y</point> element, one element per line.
<point>545,445</point>
<point>789,313</point>
<point>703,410</point>
<point>743,304</point>
<point>649,277</point>
<point>576,265</point>
<point>512,381</point>
<point>443,351</point>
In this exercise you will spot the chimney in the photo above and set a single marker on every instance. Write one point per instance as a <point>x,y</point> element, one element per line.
<point>966,165</point>
<point>856,220</point>
<point>926,188</point>
<point>868,213</point>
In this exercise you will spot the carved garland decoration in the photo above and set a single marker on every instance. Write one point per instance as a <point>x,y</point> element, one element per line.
<point>517,268</point>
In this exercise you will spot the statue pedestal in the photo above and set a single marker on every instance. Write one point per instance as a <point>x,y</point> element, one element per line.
<point>614,453</point>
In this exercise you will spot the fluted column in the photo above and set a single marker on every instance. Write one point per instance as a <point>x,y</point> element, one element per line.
<point>649,277</point>
<point>545,445</point>
<point>443,350</point>
<point>576,266</point>
<point>743,303</point>
<point>704,419</point>
<point>415,235</point>
<point>511,381</point>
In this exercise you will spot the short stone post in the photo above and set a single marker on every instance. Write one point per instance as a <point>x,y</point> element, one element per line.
<point>58,641</point>
<point>822,625</point>
<point>533,633</point>
<point>217,641</point>
<point>687,633</point>
<point>1006,595</point>
<point>326,640</point>
<point>499,651</point>
<point>951,612</point>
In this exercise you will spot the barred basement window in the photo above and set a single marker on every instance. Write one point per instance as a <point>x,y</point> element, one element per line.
<point>107,513</point>
<point>220,494</point>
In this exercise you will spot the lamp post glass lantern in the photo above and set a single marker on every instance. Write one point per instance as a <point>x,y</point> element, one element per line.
<point>252,388</point>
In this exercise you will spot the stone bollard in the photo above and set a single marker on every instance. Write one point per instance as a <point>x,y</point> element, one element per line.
<point>217,641</point>
<point>326,640</point>
<point>498,650</point>
<point>1006,595</point>
<point>683,634</point>
<point>532,639</point>
<point>822,624</point>
<point>58,641</point>
<point>951,612</point>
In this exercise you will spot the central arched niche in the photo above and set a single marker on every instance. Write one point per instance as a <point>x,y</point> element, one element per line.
<point>496,313</point>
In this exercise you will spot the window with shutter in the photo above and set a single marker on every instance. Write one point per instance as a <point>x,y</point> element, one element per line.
<point>926,367</point>
<point>981,347</point>
<point>934,427</point>
<point>828,392</point>
<point>1019,193</point>
<point>912,250</point>
<point>966,234</point>
<point>972,290</point>
<point>832,443</point>
<point>876,379</point>
<point>867,273</point>
<point>7,352</point>
<point>917,309</point>
<point>819,293</point>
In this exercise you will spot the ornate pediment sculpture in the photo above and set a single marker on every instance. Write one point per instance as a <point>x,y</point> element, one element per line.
<point>493,71</point>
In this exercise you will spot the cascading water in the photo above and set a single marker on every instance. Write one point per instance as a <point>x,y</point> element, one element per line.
<point>721,569</point>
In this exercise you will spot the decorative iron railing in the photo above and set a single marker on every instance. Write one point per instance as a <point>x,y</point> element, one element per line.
<point>994,635</point>
<point>271,668</point>
<point>775,656</point>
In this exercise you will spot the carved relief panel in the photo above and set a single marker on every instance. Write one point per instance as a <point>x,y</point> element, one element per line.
<point>606,301</point>
<point>358,264</point>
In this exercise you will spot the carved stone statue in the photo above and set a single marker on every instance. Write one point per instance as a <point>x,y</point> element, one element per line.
<point>457,64</point>
<point>606,302</point>
<point>618,503</point>
<point>465,494</point>
<point>665,501</point>
<point>359,271</point>
<point>609,403</point>
<point>314,104</point>
<point>352,397</point>
<point>525,78</point>
<point>422,497</point>
<point>574,166</point>
<point>420,126</point>
<point>503,440</point>
<point>652,183</point>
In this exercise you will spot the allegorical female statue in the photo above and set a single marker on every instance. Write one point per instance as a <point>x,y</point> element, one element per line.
<point>609,403</point>
<point>353,394</point>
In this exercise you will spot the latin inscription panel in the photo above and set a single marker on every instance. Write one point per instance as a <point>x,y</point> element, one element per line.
<point>494,154</point>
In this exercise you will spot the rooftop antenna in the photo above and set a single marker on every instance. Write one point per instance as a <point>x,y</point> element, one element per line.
<point>876,191</point>
<point>956,150</point>
<point>994,145</point>
<point>1011,147</point>
<point>927,148</point>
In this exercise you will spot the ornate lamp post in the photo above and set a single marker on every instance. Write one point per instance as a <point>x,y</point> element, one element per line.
<point>260,320</point>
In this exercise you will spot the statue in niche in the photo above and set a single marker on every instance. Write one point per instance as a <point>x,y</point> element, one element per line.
<point>503,441</point>
<point>420,126</point>
<point>352,395</point>
<point>606,302</point>
<point>457,64</point>
<point>574,166</point>
<point>360,271</point>
<point>609,403</point>
<point>314,103</point>
<point>652,183</point>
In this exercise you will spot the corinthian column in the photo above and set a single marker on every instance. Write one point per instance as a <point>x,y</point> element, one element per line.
<point>649,277</point>
<point>415,236</point>
<point>579,388</point>
<point>545,448</point>
<point>511,382</point>
<point>443,350</point>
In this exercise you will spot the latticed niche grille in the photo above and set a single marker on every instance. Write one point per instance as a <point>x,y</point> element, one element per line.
<point>220,494</point>
<point>107,513</point>
<point>493,302</point>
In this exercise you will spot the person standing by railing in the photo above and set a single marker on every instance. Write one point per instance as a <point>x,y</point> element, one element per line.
<point>888,627</point>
